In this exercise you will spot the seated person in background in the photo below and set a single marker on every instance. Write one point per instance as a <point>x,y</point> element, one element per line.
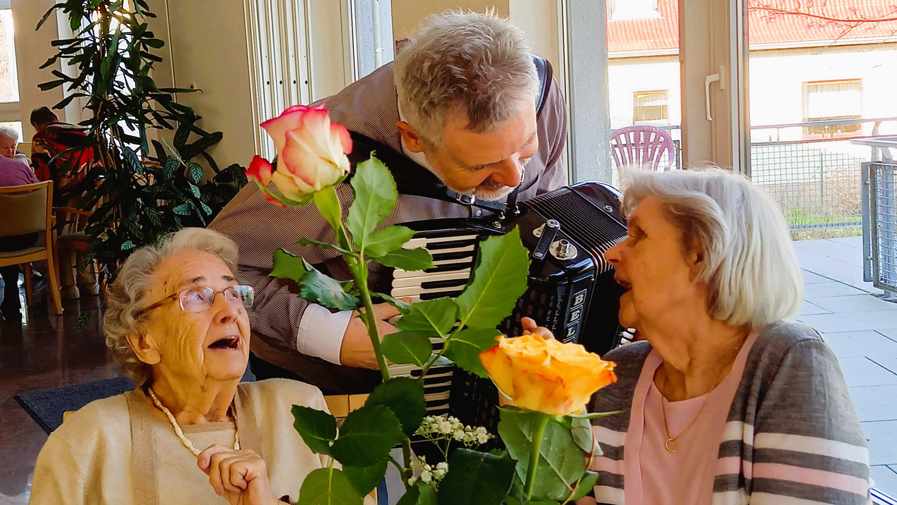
<point>52,138</point>
<point>13,173</point>
<point>723,402</point>
<point>458,102</point>
<point>9,143</point>
<point>176,320</point>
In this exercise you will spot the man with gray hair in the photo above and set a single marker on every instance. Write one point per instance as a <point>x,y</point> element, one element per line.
<point>463,109</point>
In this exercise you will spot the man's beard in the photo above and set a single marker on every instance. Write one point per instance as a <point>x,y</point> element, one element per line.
<point>490,191</point>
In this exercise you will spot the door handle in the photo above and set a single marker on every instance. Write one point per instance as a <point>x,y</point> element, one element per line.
<point>707,81</point>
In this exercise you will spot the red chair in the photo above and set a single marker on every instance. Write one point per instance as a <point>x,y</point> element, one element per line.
<point>643,146</point>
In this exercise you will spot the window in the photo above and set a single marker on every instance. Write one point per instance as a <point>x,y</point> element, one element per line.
<point>836,102</point>
<point>9,80</point>
<point>650,108</point>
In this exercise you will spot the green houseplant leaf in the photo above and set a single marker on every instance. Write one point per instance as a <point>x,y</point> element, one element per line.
<point>420,493</point>
<point>405,398</point>
<point>328,486</point>
<point>375,199</point>
<point>465,347</point>
<point>367,435</point>
<point>476,478</point>
<point>499,279</point>
<point>432,317</point>
<point>317,428</point>
<point>407,348</point>
<point>411,260</point>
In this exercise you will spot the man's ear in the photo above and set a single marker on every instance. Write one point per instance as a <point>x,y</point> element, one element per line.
<point>144,349</point>
<point>412,141</point>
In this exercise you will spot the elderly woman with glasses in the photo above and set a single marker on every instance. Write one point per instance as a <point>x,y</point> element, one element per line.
<point>723,401</point>
<point>177,322</point>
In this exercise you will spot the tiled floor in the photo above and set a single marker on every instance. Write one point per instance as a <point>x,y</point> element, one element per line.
<point>47,352</point>
<point>862,330</point>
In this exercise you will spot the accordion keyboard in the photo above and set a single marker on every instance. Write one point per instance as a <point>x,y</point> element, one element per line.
<point>453,257</point>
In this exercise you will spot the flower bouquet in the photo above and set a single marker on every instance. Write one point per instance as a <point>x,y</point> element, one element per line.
<point>546,433</point>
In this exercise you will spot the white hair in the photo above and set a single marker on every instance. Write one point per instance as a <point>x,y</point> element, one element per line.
<point>9,133</point>
<point>748,257</point>
<point>126,298</point>
<point>466,63</point>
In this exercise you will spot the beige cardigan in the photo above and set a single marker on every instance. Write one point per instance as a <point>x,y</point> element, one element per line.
<point>116,451</point>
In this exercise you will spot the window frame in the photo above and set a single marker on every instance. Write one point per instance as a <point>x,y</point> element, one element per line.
<point>812,132</point>
<point>663,109</point>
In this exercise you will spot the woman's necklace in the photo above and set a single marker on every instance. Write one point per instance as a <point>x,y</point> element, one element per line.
<point>180,433</point>
<point>672,444</point>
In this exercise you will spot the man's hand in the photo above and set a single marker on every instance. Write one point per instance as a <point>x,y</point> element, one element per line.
<point>530,326</point>
<point>357,350</point>
<point>239,476</point>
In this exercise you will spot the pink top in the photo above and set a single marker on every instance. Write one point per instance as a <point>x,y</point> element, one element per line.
<point>656,476</point>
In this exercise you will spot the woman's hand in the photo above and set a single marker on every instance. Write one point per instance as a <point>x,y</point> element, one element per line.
<point>239,476</point>
<point>530,326</point>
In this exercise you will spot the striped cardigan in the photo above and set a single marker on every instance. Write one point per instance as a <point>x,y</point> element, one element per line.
<point>791,436</point>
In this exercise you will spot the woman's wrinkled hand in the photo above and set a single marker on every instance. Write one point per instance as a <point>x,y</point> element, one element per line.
<point>530,326</point>
<point>239,476</point>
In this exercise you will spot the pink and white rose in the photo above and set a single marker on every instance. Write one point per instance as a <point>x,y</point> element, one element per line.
<point>311,152</point>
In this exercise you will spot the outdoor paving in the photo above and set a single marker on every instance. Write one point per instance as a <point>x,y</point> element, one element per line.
<point>862,330</point>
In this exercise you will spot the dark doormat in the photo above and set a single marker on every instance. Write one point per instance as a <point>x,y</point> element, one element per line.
<point>47,407</point>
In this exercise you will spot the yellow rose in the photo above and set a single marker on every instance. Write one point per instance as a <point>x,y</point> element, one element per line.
<point>546,375</point>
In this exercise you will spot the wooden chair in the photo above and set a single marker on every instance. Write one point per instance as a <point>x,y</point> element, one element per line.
<point>71,241</point>
<point>28,209</point>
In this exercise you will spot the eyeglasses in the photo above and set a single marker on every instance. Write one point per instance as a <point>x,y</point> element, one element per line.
<point>199,299</point>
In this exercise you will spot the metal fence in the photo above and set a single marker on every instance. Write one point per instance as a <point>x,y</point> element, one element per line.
<point>880,224</point>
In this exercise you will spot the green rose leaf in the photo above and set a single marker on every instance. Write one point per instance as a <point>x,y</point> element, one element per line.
<point>375,199</point>
<point>582,435</point>
<point>288,266</point>
<point>432,317</point>
<point>406,348</point>
<point>585,484</point>
<point>420,493</point>
<point>319,288</point>
<point>476,478</point>
<point>411,260</point>
<point>395,302</point>
<point>365,478</point>
<point>367,435</point>
<point>328,486</point>
<point>561,461</point>
<point>464,349</point>
<point>405,398</point>
<point>499,279</point>
<point>387,240</point>
<point>323,245</point>
<point>317,428</point>
<point>328,205</point>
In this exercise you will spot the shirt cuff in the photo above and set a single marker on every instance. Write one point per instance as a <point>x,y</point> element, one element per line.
<point>321,332</point>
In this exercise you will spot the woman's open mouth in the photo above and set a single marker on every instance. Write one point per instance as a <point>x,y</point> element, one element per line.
<point>226,343</point>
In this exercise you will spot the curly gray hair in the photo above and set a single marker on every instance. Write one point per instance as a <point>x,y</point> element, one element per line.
<point>127,295</point>
<point>464,63</point>
<point>749,260</point>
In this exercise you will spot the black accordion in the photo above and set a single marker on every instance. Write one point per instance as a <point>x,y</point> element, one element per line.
<point>571,288</point>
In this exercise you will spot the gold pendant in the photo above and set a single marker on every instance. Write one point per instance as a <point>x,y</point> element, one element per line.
<point>671,445</point>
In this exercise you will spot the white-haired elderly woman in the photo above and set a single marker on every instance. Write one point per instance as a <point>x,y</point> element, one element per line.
<point>177,322</point>
<point>724,401</point>
<point>9,145</point>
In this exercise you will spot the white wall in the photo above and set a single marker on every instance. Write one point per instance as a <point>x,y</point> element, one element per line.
<point>32,50</point>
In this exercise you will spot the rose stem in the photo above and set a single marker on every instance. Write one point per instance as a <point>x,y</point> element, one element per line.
<point>538,431</point>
